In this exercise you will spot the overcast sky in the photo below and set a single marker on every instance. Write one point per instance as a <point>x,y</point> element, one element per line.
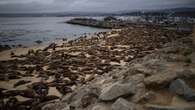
<point>23,6</point>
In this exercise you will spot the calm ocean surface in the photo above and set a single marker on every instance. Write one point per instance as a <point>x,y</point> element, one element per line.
<point>27,30</point>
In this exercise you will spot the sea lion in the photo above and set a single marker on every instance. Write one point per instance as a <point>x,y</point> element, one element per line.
<point>40,88</point>
<point>27,93</point>
<point>49,98</point>
<point>21,82</point>
<point>11,104</point>
<point>51,46</point>
<point>10,93</point>
<point>63,89</point>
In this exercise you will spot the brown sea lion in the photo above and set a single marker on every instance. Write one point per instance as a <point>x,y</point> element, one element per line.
<point>40,88</point>
<point>21,82</point>
<point>63,89</point>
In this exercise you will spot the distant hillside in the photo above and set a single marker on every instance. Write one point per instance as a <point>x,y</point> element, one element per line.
<point>180,10</point>
<point>187,12</point>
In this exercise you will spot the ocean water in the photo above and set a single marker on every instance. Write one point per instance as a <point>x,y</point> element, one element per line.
<point>27,30</point>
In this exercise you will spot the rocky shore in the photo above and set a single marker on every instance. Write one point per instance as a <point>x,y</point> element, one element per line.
<point>108,22</point>
<point>134,68</point>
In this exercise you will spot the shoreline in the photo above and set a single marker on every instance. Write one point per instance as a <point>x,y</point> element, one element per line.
<point>5,54</point>
<point>64,67</point>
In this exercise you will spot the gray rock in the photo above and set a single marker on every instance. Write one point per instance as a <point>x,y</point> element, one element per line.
<point>140,93</point>
<point>99,107</point>
<point>117,90</point>
<point>66,108</point>
<point>169,75</point>
<point>192,57</point>
<point>54,105</point>
<point>84,97</point>
<point>122,104</point>
<point>180,88</point>
<point>160,79</point>
<point>158,107</point>
<point>140,89</point>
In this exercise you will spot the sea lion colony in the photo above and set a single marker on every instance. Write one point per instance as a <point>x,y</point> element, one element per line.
<point>74,63</point>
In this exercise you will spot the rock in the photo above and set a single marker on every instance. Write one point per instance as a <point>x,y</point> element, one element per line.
<point>140,93</point>
<point>160,79</point>
<point>137,80</point>
<point>83,97</point>
<point>88,99</point>
<point>163,79</point>
<point>180,88</point>
<point>117,90</point>
<point>39,41</point>
<point>52,105</point>
<point>99,107</point>
<point>122,104</point>
<point>67,108</point>
<point>192,57</point>
<point>158,107</point>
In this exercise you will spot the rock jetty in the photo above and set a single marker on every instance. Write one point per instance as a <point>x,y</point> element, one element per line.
<point>108,22</point>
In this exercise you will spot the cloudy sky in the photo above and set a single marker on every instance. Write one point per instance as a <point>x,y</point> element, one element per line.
<point>23,6</point>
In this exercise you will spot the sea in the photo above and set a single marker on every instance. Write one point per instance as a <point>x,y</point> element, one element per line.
<point>26,31</point>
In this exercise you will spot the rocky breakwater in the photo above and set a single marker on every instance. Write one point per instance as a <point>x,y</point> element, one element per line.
<point>90,73</point>
<point>106,23</point>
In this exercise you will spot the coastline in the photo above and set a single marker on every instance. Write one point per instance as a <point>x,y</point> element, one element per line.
<point>69,67</point>
<point>6,54</point>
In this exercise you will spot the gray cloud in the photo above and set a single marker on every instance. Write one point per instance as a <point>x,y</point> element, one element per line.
<point>88,5</point>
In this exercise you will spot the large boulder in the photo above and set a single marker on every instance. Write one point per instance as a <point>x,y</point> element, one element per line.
<point>173,72</point>
<point>180,88</point>
<point>116,90</point>
<point>140,89</point>
<point>122,104</point>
